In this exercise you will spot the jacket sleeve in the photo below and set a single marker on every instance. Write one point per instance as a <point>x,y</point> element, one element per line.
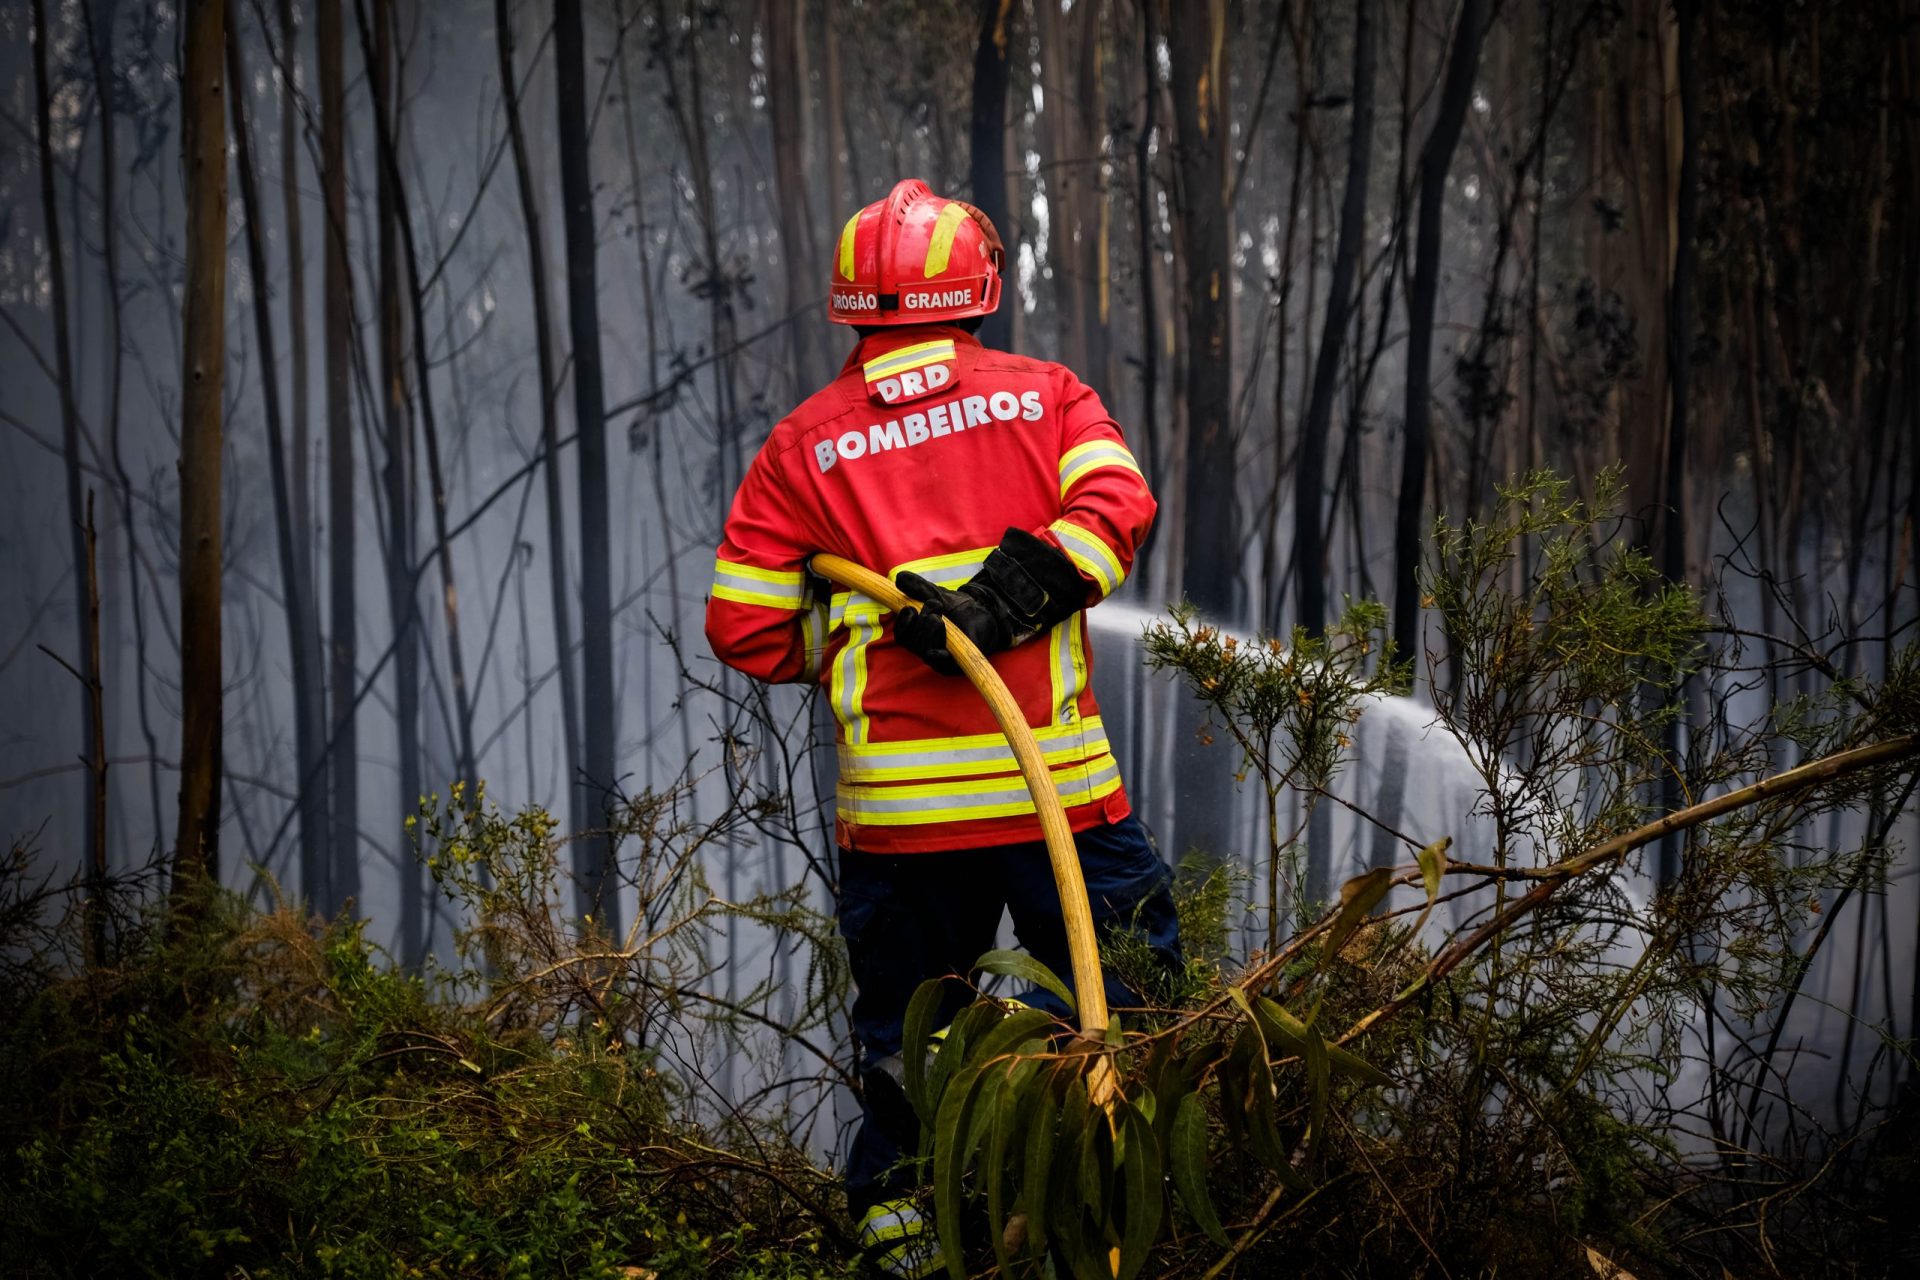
<point>1105,507</point>
<point>763,616</point>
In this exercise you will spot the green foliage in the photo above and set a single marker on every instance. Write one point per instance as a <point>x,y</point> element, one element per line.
<point>256,1093</point>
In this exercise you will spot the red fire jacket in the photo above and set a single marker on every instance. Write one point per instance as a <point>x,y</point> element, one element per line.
<point>919,456</point>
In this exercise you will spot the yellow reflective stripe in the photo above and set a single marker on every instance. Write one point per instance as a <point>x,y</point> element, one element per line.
<point>1093,556</point>
<point>846,248</point>
<point>940,248</point>
<point>1083,459</point>
<point>908,358</point>
<point>974,756</point>
<point>779,577</point>
<point>764,599</point>
<point>749,584</point>
<point>813,638</point>
<point>970,801</point>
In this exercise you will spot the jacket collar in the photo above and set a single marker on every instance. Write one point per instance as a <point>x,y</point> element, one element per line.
<point>894,337</point>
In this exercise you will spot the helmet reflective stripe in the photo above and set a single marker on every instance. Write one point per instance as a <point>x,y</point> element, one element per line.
<point>846,247</point>
<point>941,249</point>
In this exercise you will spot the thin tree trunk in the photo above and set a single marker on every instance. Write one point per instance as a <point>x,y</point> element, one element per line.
<point>1673,515</point>
<point>1436,156</point>
<point>310,695</point>
<point>1310,478</point>
<point>344,868</point>
<point>549,428</point>
<point>1062,175</point>
<point>786,71</point>
<point>287,533</point>
<point>1093,212</point>
<point>97,762</point>
<point>1146,217</point>
<point>987,162</point>
<point>1272,584</point>
<point>63,368</point>
<point>203,143</point>
<point>100,50</point>
<point>593,853</point>
<point>399,469</point>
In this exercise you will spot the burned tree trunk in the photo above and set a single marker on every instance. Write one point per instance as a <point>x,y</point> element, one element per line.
<point>987,162</point>
<point>1435,158</point>
<point>343,880</point>
<point>593,853</point>
<point>1673,514</point>
<point>1211,551</point>
<point>203,145</point>
<point>786,85</point>
<point>1309,527</point>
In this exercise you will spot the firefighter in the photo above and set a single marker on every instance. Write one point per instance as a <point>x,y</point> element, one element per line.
<point>996,491</point>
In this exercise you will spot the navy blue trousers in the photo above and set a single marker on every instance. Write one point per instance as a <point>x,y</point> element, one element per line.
<point>908,917</point>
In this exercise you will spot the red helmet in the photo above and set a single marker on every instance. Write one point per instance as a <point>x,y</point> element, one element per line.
<point>915,258</point>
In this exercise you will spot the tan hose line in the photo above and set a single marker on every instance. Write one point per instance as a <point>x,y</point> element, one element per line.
<point>1082,947</point>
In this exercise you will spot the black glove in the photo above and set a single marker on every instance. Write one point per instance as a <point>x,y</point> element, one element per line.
<point>1026,586</point>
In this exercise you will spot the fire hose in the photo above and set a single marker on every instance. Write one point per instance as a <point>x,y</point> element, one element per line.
<point>1082,947</point>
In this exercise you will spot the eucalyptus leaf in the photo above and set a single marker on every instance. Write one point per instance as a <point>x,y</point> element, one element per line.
<point>1187,1156</point>
<point>1018,964</point>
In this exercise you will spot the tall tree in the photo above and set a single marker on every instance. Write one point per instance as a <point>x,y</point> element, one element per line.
<point>549,426</point>
<point>398,471</point>
<point>593,853</point>
<point>1063,171</point>
<point>786,87</point>
<point>987,159</point>
<point>1673,513</point>
<point>1309,523</point>
<point>310,696</point>
<point>1211,552</point>
<point>301,646</point>
<point>1436,156</point>
<point>1202,238</point>
<point>343,746</point>
<point>69,410</point>
<point>203,148</point>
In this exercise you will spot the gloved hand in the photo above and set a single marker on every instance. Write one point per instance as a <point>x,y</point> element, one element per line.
<point>1027,586</point>
<point>981,617</point>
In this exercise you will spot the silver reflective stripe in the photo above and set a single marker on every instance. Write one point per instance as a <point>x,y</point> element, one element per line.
<point>1066,682</point>
<point>961,796</point>
<point>727,575</point>
<point>903,760</point>
<point>1106,455</point>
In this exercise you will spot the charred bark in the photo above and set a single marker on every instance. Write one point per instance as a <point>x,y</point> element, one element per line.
<point>343,872</point>
<point>593,852</point>
<point>987,162</point>
<point>1211,552</point>
<point>203,146</point>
